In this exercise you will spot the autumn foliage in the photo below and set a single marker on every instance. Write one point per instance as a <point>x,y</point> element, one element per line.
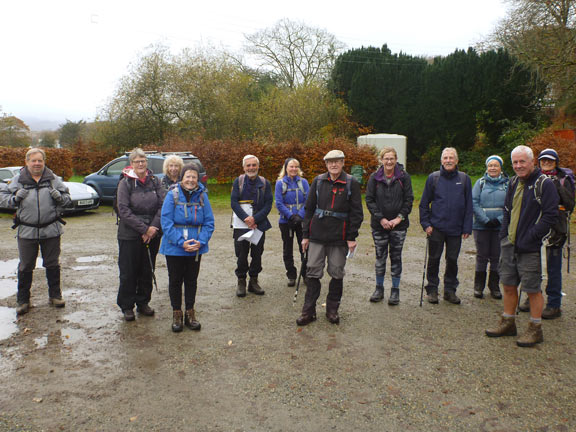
<point>565,147</point>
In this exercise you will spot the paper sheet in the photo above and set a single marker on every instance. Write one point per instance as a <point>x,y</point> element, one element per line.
<point>253,236</point>
<point>238,223</point>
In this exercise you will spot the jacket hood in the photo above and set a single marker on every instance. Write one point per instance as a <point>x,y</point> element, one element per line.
<point>502,178</point>
<point>398,173</point>
<point>26,177</point>
<point>129,172</point>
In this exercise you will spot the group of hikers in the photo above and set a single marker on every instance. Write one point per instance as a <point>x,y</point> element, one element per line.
<point>520,226</point>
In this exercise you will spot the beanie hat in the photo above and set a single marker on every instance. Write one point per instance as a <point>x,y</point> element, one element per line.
<point>496,158</point>
<point>549,154</point>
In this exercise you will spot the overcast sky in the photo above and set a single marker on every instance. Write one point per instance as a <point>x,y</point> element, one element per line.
<point>62,59</point>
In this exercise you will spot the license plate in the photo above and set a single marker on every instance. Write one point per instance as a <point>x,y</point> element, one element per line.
<point>85,202</point>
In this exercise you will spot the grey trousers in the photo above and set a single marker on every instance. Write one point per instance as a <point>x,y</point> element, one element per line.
<point>28,252</point>
<point>319,253</point>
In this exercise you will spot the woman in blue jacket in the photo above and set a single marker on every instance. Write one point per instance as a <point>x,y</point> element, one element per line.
<point>488,196</point>
<point>291,193</point>
<point>188,224</point>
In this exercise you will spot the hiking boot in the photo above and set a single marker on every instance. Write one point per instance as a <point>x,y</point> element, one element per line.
<point>177,321</point>
<point>291,282</point>
<point>377,295</point>
<point>394,298</point>
<point>129,315</point>
<point>494,285</point>
<point>506,327</point>
<point>451,297</point>
<point>532,336</point>
<point>254,288</point>
<point>432,297</point>
<point>525,307</point>
<point>145,310</point>
<point>190,320</point>
<point>22,308</point>
<point>57,302</point>
<point>550,313</point>
<point>333,316</point>
<point>241,288</point>
<point>479,283</point>
<point>305,319</point>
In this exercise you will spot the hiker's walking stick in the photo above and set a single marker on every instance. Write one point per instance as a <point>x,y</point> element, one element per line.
<point>424,271</point>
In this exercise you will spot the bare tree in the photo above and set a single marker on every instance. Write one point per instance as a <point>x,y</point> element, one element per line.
<point>542,34</point>
<point>296,53</point>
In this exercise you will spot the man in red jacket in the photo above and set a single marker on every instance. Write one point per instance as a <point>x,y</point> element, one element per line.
<point>333,215</point>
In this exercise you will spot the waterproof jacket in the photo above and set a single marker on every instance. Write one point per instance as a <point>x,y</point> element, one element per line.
<point>38,207</point>
<point>389,200</point>
<point>139,204</point>
<point>258,191</point>
<point>446,204</point>
<point>191,217</point>
<point>332,196</point>
<point>488,196</point>
<point>167,182</point>
<point>292,202</point>
<point>535,219</point>
<point>565,189</point>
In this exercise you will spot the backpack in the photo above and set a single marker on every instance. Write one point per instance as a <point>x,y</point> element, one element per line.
<point>348,186</point>
<point>242,179</point>
<point>436,177</point>
<point>186,204</point>
<point>300,186</point>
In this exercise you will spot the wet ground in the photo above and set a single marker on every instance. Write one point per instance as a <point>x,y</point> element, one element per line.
<point>250,368</point>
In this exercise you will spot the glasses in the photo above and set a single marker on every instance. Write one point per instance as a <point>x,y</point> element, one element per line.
<point>334,162</point>
<point>139,162</point>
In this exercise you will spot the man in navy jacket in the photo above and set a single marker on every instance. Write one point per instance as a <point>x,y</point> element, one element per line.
<point>255,192</point>
<point>446,216</point>
<point>530,211</point>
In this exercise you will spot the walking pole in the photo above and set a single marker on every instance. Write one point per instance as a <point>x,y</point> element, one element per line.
<point>151,266</point>
<point>302,267</point>
<point>424,271</point>
<point>519,299</point>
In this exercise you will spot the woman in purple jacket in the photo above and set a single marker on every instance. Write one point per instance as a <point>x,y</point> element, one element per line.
<point>139,199</point>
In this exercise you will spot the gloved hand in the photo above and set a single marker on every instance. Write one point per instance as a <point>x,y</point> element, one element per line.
<point>492,223</point>
<point>21,194</point>
<point>295,220</point>
<point>56,195</point>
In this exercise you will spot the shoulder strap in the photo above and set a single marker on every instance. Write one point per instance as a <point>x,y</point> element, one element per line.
<point>284,188</point>
<point>435,177</point>
<point>538,188</point>
<point>241,179</point>
<point>348,186</point>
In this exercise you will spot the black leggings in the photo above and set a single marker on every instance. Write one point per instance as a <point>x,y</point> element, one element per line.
<point>183,269</point>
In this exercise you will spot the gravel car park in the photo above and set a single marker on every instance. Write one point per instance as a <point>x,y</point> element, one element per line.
<point>83,196</point>
<point>105,180</point>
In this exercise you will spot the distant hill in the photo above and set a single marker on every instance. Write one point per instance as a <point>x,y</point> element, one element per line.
<point>37,125</point>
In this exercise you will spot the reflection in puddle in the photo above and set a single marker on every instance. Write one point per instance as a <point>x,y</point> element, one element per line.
<point>8,287</point>
<point>95,258</point>
<point>41,341</point>
<point>8,268</point>
<point>7,322</point>
<point>96,267</point>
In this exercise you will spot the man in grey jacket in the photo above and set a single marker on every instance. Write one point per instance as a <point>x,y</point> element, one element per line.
<point>38,197</point>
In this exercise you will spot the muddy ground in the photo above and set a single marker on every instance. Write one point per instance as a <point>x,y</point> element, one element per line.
<point>250,368</point>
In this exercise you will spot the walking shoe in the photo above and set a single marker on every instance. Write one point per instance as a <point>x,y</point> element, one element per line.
<point>494,285</point>
<point>145,310</point>
<point>394,298</point>
<point>254,288</point>
<point>525,306</point>
<point>333,316</point>
<point>22,308</point>
<point>305,319</point>
<point>451,297</point>
<point>57,302</point>
<point>177,321</point>
<point>291,282</point>
<point>129,315</point>
<point>506,327</point>
<point>532,336</point>
<point>241,288</point>
<point>479,283</point>
<point>190,320</point>
<point>432,297</point>
<point>377,295</point>
<point>550,313</point>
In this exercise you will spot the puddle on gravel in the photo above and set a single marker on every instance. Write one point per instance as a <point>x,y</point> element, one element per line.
<point>94,267</point>
<point>95,258</point>
<point>8,287</point>
<point>7,322</point>
<point>8,268</point>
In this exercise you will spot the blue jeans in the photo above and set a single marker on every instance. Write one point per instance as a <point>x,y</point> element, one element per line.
<point>554,285</point>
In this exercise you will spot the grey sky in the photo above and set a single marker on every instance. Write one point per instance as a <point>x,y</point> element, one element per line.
<point>63,58</point>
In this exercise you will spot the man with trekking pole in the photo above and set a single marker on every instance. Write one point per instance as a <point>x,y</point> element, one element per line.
<point>530,211</point>
<point>446,217</point>
<point>333,215</point>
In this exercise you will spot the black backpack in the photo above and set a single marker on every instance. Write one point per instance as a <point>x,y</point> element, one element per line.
<point>155,182</point>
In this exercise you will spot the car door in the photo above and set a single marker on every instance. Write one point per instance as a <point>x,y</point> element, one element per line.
<point>108,178</point>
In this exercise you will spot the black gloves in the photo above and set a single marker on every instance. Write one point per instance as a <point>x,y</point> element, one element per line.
<point>295,220</point>
<point>492,223</point>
